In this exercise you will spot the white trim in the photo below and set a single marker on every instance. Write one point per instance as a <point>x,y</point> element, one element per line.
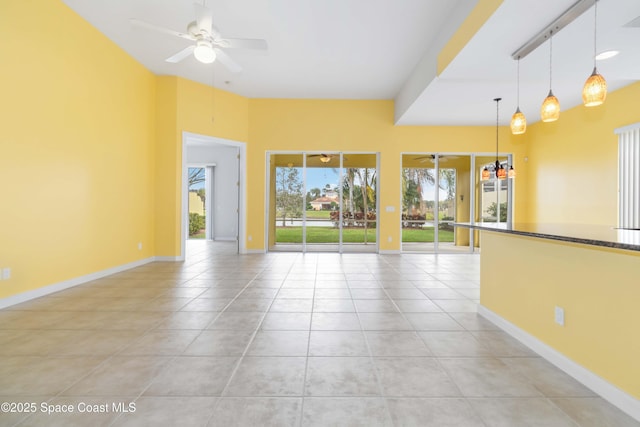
<point>605,389</point>
<point>627,128</point>
<point>224,239</point>
<point>169,258</point>
<point>184,217</point>
<point>66,284</point>
<point>390,252</point>
<point>254,251</point>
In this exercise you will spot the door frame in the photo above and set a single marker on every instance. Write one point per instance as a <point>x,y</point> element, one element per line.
<point>304,154</point>
<point>188,137</point>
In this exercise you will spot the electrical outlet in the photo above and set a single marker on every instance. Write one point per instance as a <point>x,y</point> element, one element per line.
<point>6,273</point>
<point>250,238</point>
<point>559,315</point>
<point>389,239</point>
<point>139,246</point>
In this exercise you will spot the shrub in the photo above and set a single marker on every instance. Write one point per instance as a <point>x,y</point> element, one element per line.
<point>196,223</point>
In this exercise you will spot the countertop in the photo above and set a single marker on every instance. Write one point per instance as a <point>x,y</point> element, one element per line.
<point>595,235</point>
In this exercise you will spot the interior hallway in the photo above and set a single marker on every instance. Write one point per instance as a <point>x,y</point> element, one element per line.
<point>283,339</point>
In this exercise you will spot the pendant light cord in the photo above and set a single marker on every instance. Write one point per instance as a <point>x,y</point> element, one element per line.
<point>595,31</point>
<point>550,59</point>
<point>497,124</point>
<point>518,89</point>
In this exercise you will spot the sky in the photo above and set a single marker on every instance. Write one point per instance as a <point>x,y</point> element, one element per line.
<point>319,177</point>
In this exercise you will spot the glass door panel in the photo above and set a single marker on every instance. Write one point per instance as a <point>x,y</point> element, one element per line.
<point>454,202</point>
<point>418,202</point>
<point>322,202</point>
<point>359,203</point>
<point>286,202</point>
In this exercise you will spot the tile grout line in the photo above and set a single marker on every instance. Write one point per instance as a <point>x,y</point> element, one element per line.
<point>246,349</point>
<point>306,361</point>
<point>372,359</point>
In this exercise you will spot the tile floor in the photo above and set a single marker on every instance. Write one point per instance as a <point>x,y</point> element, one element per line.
<point>281,339</point>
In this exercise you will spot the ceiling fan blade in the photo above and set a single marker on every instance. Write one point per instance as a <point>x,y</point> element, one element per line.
<point>204,18</point>
<point>147,26</point>
<point>181,55</point>
<point>226,60</point>
<point>255,44</point>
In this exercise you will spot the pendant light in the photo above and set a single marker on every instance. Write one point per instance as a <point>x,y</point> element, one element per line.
<point>518,121</point>
<point>500,171</point>
<point>550,110</point>
<point>594,91</point>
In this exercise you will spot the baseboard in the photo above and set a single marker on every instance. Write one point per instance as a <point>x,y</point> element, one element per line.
<point>605,389</point>
<point>60,286</point>
<point>225,239</point>
<point>389,251</point>
<point>254,251</point>
<point>168,258</point>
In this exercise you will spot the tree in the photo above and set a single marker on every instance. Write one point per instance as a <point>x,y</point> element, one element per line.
<point>288,193</point>
<point>411,196</point>
<point>449,177</point>
<point>315,193</point>
<point>492,210</point>
<point>196,176</point>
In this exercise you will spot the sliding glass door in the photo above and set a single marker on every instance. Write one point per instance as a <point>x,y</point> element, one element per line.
<point>323,202</point>
<point>435,193</point>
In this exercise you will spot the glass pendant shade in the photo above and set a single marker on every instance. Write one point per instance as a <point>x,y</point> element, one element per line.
<point>550,110</point>
<point>501,173</point>
<point>594,91</point>
<point>485,174</point>
<point>518,123</point>
<point>512,172</point>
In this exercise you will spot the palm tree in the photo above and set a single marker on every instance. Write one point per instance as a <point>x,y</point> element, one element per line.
<point>367,183</point>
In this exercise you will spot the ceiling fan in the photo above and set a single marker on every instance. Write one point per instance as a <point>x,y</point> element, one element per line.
<point>432,158</point>
<point>325,158</point>
<point>208,40</point>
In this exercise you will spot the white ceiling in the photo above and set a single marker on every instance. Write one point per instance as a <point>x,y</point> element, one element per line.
<point>385,49</point>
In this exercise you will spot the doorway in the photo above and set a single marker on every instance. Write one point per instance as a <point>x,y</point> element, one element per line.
<point>441,188</point>
<point>221,162</point>
<point>200,195</point>
<point>435,193</point>
<point>322,202</point>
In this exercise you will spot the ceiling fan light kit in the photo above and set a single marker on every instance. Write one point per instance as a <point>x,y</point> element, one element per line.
<point>204,52</point>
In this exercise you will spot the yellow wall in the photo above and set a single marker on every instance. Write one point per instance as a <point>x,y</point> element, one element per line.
<point>573,161</point>
<point>187,106</point>
<point>76,148</point>
<point>346,125</point>
<point>195,203</point>
<point>597,287</point>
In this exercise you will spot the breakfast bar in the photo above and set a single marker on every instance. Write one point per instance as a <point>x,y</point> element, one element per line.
<point>572,293</point>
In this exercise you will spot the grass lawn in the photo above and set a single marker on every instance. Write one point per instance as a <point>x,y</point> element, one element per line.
<point>324,235</point>
<point>202,234</point>
<point>318,214</point>
<point>425,235</point>
<point>354,235</point>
